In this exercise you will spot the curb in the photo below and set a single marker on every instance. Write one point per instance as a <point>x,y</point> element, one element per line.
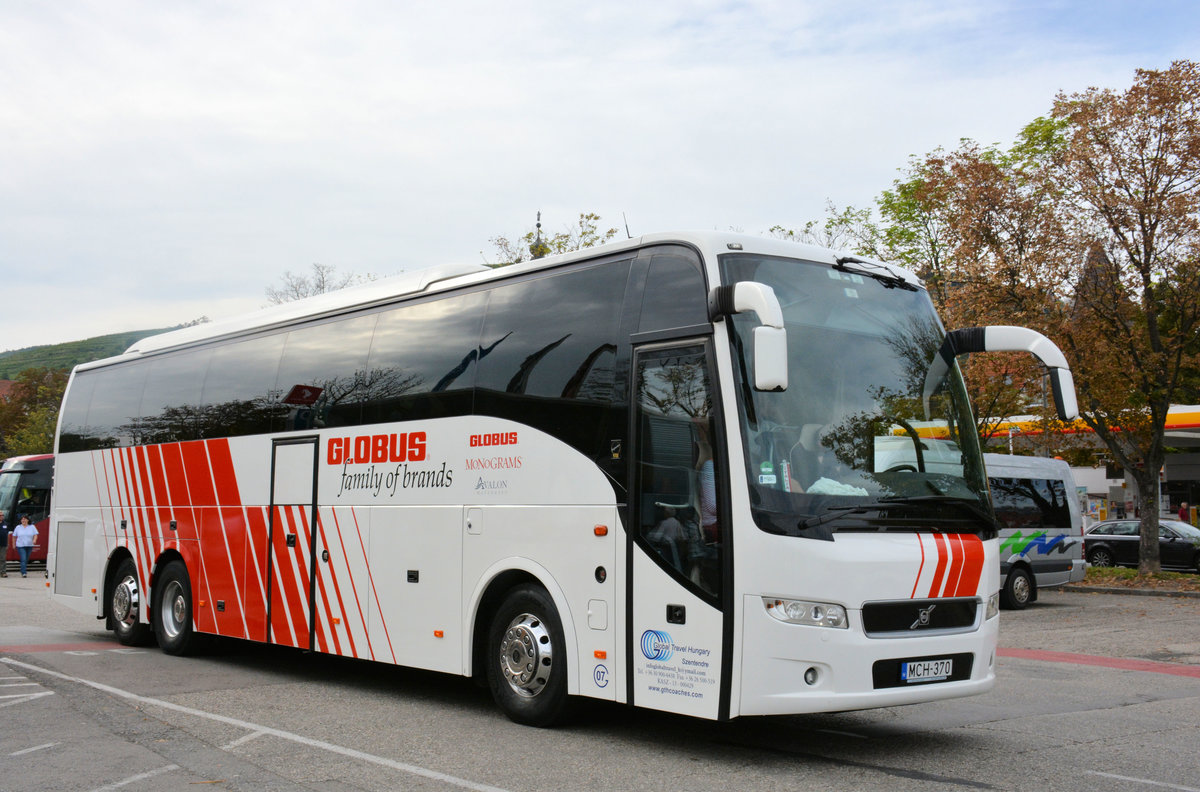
<point>1137,592</point>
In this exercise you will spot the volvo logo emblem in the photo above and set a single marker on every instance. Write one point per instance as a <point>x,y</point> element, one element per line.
<point>924,616</point>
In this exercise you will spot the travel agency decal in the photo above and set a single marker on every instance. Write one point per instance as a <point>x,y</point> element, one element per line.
<point>674,669</point>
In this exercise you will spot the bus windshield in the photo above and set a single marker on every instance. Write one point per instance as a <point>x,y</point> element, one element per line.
<point>9,484</point>
<point>858,441</point>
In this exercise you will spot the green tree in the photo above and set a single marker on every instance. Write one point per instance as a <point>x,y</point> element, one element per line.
<point>1088,229</point>
<point>29,415</point>
<point>848,229</point>
<point>584,233</point>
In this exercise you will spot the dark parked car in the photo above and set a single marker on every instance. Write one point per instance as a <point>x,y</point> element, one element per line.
<point>1115,543</point>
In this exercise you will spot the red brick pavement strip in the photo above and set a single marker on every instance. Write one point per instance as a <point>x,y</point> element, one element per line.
<point>1153,666</point>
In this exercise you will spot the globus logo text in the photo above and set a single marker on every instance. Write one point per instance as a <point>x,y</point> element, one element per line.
<point>395,447</point>
<point>496,439</point>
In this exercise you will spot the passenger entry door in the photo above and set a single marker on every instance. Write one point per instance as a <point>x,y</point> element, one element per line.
<point>680,566</point>
<point>292,543</point>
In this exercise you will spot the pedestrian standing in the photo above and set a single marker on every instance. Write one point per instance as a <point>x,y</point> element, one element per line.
<point>3,546</point>
<point>1184,514</point>
<point>26,539</point>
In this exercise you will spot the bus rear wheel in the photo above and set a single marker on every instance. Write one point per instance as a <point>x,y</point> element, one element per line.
<point>172,610</point>
<point>125,606</point>
<point>526,658</point>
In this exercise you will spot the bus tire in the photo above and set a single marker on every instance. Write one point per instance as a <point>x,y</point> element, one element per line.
<point>172,610</point>
<point>1018,589</point>
<point>125,606</point>
<point>526,658</point>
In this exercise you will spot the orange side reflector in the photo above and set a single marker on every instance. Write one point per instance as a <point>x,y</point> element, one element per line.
<point>93,590</point>
<point>600,654</point>
<point>201,603</point>
<point>336,620</point>
<point>600,530</point>
<point>438,634</point>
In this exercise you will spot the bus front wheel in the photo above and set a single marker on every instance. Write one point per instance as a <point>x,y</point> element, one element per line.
<point>526,659</point>
<point>125,606</point>
<point>1018,589</point>
<point>172,611</point>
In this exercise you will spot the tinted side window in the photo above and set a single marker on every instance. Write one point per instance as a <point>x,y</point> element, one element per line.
<point>323,378</point>
<point>423,360</point>
<point>549,350</point>
<point>171,408</point>
<point>116,402</point>
<point>239,396</point>
<point>1030,503</point>
<point>73,435</point>
<point>674,293</point>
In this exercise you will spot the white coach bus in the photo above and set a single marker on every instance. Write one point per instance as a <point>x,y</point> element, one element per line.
<point>644,472</point>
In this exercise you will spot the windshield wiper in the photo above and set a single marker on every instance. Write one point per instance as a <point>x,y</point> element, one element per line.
<point>878,271</point>
<point>949,500</point>
<point>838,512</point>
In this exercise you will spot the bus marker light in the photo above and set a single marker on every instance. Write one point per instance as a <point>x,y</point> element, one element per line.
<point>600,530</point>
<point>93,590</point>
<point>201,603</point>
<point>337,620</point>
<point>600,654</point>
<point>438,634</point>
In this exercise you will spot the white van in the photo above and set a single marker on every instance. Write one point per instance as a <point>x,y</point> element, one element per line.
<point>1041,525</point>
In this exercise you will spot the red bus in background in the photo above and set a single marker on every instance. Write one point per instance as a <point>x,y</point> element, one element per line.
<point>25,489</point>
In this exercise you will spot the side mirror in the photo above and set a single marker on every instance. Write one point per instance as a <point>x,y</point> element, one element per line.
<point>770,340</point>
<point>1003,338</point>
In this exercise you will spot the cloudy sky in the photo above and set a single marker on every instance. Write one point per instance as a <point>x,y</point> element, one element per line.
<point>163,160</point>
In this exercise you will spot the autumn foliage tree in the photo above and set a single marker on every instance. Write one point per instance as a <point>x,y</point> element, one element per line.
<point>1089,230</point>
<point>29,415</point>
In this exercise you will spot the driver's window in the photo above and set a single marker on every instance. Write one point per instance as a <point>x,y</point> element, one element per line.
<point>677,493</point>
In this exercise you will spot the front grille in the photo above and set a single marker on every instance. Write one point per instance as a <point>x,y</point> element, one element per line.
<point>920,617</point>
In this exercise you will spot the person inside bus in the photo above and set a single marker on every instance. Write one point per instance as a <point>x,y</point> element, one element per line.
<point>26,539</point>
<point>706,482</point>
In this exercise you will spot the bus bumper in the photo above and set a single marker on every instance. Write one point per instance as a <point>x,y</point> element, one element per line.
<point>791,668</point>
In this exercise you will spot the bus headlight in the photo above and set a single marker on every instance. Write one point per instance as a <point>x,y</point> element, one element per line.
<point>993,606</point>
<point>814,614</point>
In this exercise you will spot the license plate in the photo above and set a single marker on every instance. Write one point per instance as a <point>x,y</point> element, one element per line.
<point>926,670</point>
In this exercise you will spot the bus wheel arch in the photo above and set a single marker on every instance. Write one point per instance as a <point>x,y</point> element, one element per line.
<point>124,600</point>
<point>1020,587</point>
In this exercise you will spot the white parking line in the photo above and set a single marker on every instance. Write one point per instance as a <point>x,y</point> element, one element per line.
<point>20,698</point>
<point>1145,781</point>
<point>254,727</point>
<point>245,738</point>
<point>34,748</point>
<point>136,778</point>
